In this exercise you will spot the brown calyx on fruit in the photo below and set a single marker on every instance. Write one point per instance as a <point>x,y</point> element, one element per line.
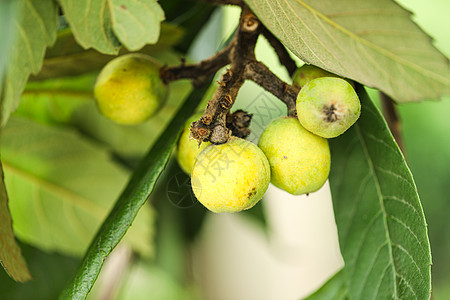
<point>238,122</point>
<point>331,113</point>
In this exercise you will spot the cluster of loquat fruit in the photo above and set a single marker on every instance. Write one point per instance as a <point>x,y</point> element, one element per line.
<point>292,152</point>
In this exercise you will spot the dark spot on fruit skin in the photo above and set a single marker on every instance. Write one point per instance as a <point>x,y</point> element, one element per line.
<point>123,7</point>
<point>284,156</point>
<point>330,113</point>
<point>252,192</point>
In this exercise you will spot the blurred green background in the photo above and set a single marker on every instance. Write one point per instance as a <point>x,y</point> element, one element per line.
<point>426,131</point>
<point>426,128</point>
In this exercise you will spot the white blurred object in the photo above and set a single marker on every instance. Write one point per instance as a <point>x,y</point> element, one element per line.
<point>234,258</point>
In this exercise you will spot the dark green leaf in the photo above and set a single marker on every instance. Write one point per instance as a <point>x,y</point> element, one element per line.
<point>372,41</point>
<point>35,25</point>
<point>333,289</point>
<point>61,187</point>
<point>10,255</point>
<point>132,198</point>
<point>381,226</point>
<point>50,272</point>
<point>107,24</point>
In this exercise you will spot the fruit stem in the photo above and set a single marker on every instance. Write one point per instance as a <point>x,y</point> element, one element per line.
<point>260,74</point>
<point>201,72</point>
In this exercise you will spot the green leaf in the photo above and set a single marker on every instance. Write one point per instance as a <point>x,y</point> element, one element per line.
<point>334,289</point>
<point>107,24</point>
<point>10,255</point>
<point>50,273</point>
<point>91,24</point>
<point>67,58</point>
<point>128,204</point>
<point>55,100</point>
<point>136,23</point>
<point>35,26</point>
<point>61,187</point>
<point>7,12</point>
<point>373,42</point>
<point>381,225</point>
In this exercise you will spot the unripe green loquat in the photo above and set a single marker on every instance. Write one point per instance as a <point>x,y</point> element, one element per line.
<point>230,177</point>
<point>328,106</point>
<point>299,160</point>
<point>129,89</point>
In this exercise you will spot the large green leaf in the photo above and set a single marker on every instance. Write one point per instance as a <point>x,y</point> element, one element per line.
<point>130,201</point>
<point>381,226</point>
<point>372,41</point>
<point>107,24</point>
<point>10,255</point>
<point>61,187</point>
<point>35,26</point>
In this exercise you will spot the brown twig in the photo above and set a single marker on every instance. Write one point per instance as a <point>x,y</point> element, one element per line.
<point>260,74</point>
<point>240,55</point>
<point>283,55</point>
<point>199,73</point>
<point>212,125</point>
<point>391,115</point>
<point>238,122</point>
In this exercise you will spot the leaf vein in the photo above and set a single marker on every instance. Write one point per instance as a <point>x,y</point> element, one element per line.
<point>380,198</point>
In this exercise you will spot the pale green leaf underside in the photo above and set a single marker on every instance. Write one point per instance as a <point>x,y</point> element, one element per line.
<point>107,24</point>
<point>382,229</point>
<point>67,58</point>
<point>91,24</point>
<point>10,254</point>
<point>372,41</point>
<point>61,187</point>
<point>35,29</point>
<point>136,22</point>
